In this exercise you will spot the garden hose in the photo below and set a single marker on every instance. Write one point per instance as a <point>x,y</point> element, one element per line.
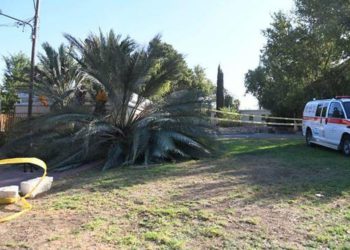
<point>21,201</point>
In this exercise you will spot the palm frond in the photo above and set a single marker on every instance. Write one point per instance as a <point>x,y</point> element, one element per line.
<point>114,157</point>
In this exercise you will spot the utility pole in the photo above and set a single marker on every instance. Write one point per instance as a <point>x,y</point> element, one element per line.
<point>32,66</point>
<point>34,28</point>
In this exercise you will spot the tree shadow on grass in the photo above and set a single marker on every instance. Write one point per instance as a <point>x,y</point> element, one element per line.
<point>273,171</point>
<point>281,173</point>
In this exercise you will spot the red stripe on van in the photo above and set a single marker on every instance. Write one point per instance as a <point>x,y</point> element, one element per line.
<point>338,121</point>
<point>329,120</point>
<point>310,118</point>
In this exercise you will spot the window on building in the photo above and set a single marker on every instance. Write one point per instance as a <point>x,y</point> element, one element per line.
<point>251,118</point>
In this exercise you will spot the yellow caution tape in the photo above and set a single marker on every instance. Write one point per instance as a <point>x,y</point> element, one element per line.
<point>256,122</point>
<point>262,116</point>
<point>24,204</point>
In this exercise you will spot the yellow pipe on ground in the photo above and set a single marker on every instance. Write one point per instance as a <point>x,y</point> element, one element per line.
<point>24,204</point>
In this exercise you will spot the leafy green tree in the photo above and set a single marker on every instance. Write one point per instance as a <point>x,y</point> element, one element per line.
<point>16,78</point>
<point>8,100</point>
<point>17,71</point>
<point>230,101</point>
<point>201,82</point>
<point>134,129</point>
<point>186,78</point>
<point>179,81</point>
<point>297,54</point>
<point>330,19</point>
<point>256,84</point>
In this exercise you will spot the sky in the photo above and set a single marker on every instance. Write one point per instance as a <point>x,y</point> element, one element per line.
<point>206,32</point>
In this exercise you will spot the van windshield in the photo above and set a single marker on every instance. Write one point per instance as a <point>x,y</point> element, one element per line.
<point>347,109</point>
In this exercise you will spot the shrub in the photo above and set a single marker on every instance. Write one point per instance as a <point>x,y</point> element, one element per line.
<point>230,117</point>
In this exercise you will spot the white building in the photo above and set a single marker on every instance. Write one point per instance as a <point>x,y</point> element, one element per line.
<point>254,115</point>
<point>21,107</point>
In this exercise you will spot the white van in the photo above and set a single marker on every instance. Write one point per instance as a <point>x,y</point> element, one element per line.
<point>327,123</point>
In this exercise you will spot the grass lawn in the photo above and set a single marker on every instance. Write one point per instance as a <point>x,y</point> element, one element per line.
<point>258,194</point>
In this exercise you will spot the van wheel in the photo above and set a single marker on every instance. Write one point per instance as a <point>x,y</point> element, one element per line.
<point>346,146</point>
<point>308,138</point>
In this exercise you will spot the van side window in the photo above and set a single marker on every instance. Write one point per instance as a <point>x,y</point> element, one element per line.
<point>319,109</point>
<point>324,109</point>
<point>335,110</point>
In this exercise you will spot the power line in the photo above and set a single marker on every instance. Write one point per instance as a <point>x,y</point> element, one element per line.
<point>8,24</point>
<point>23,22</point>
<point>17,24</point>
<point>30,19</point>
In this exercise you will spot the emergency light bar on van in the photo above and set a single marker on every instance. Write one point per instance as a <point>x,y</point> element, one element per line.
<point>343,97</point>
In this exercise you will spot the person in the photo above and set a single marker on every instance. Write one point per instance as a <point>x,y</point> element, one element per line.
<point>336,112</point>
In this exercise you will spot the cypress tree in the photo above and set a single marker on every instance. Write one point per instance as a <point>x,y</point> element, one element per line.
<point>220,89</point>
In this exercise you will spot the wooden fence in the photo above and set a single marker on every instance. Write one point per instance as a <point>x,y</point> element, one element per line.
<point>7,121</point>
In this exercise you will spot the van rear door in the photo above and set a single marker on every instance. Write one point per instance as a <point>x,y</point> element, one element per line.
<point>334,123</point>
<point>323,122</point>
<point>317,126</point>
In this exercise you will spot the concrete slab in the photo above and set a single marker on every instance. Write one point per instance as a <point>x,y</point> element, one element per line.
<point>27,186</point>
<point>9,192</point>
